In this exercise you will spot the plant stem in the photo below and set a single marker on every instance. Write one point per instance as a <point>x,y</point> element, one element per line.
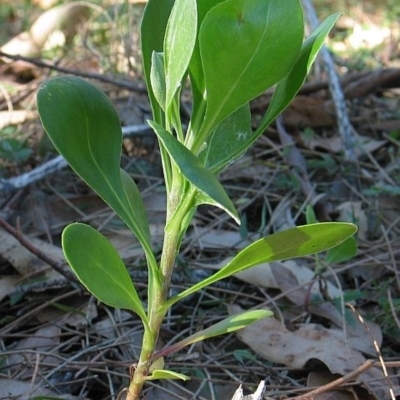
<point>139,375</point>
<point>176,210</point>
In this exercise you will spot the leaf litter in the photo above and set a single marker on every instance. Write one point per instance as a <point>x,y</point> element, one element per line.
<point>57,342</point>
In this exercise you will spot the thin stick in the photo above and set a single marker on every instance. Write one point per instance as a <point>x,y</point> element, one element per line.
<point>338,382</point>
<point>76,72</point>
<point>56,164</point>
<point>34,250</point>
<point>377,349</point>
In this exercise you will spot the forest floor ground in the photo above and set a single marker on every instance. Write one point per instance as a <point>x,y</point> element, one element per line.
<point>330,315</point>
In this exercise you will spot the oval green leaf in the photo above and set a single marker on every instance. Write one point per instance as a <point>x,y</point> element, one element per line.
<point>244,52</point>
<point>99,267</point>
<point>288,87</point>
<point>85,129</point>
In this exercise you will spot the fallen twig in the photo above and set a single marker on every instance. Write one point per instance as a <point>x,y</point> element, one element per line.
<point>34,250</point>
<point>336,383</point>
<point>345,128</point>
<point>90,75</point>
<point>54,165</point>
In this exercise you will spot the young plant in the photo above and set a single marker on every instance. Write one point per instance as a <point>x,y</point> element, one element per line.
<point>230,51</point>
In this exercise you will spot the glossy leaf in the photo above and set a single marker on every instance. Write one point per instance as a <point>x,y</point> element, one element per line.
<point>85,128</point>
<point>180,37</point>
<point>152,32</point>
<point>288,87</point>
<point>99,267</point>
<point>192,169</point>
<point>295,242</point>
<point>243,53</point>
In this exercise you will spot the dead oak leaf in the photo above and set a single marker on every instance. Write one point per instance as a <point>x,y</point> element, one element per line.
<point>270,339</point>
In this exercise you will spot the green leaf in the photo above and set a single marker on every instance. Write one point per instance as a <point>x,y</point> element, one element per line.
<point>230,324</point>
<point>227,137</point>
<point>85,128</point>
<point>295,242</point>
<point>192,169</point>
<point>99,267</point>
<point>311,218</point>
<point>134,199</point>
<point>157,78</point>
<point>244,52</point>
<point>152,32</point>
<point>227,325</point>
<point>344,252</point>
<point>196,68</point>
<point>166,374</point>
<point>179,41</point>
<point>288,87</point>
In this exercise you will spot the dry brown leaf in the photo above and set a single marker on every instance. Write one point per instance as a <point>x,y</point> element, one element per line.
<point>217,239</point>
<point>262,276</point>
<point>310,297</point>
<point>272,340</point>
<point>387,126</point>
<point>334,144</point>
<point>305,111</point>
<point>258,276</point>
